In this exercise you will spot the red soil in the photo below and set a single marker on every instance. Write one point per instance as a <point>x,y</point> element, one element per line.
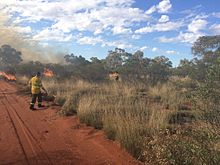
<point>43,137</point>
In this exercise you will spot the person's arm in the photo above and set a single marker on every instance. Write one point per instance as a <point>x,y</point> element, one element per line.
<point>30,82</point>
<point>42,87</point>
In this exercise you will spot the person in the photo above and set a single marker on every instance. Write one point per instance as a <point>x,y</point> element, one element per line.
<point>116,76</point>
<point>36,86</point>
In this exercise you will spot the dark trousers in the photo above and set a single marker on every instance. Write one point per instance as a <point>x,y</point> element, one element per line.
<point>36,97</point>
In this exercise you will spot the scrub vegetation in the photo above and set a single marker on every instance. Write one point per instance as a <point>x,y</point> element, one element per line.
<point>158,113</point>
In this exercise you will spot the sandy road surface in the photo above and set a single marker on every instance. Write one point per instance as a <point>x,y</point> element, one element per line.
<point>42,137</point>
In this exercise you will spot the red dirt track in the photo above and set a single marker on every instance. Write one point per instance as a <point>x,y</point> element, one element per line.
<point>42,137</point>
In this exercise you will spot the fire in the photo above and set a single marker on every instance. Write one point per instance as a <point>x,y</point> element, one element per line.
<point>48,73</point>
<point>8,76</point>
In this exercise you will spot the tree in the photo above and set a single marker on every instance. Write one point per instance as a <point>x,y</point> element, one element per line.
<point>207,51</point>
<point>30,68</point>
<point>207,46</point>
<point>138,55</point>
<point>136,67</point>
<point>95,60</point>
<point>116,59</point>
<point>210,89</point>
<point>72,59</point>
<point>159,69</point>
<point>185,68</point>
<point>9,56</point>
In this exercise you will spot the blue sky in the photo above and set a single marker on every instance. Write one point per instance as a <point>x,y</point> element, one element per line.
<point>92,27</point>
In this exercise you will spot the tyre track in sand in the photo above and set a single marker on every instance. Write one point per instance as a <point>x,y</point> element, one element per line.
<point>23,133</point>
<point>28,131</point>
<point>16,132</point>
<point>42,137</point>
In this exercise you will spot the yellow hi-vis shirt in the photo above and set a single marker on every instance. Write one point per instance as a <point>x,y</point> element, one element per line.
<point>36,85</point>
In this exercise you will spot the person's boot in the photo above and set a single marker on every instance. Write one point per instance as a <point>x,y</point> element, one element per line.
<point>32,107</point>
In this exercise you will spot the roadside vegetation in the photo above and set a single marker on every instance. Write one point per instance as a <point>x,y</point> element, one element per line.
<point>158,113</point>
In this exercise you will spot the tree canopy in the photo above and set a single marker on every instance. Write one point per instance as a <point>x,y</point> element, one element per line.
<point>9,56</point>
<point>207,48</point>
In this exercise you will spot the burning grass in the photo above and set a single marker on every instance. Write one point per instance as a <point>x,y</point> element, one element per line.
<point>48,73</point>
<point>8,77</point>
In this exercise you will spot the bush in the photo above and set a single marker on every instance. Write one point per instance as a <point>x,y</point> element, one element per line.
<point>188,145</point>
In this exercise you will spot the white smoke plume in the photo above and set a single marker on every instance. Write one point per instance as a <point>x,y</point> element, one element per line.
<point>31,50</point>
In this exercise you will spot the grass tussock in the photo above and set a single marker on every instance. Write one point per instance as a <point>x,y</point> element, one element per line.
<point>147,121</point>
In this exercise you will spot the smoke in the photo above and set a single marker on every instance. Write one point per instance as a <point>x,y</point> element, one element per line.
<point>31,50</point>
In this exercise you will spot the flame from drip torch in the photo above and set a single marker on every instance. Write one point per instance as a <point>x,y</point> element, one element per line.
<point>8,76</point>
<point>48,73</point>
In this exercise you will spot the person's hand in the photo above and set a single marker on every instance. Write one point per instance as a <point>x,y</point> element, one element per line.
<point>44,89</point>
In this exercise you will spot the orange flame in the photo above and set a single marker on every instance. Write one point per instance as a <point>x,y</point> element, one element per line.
<point>48,73</point>
<point>8,76</point>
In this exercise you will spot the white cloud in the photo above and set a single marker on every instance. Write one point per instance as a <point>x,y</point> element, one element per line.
<point>168,26</point>
<point>95,16</point>
<point>164,6</point>
<point>119,3</point>
<point>23,30</point>
<point>119,23</point>
<point>151,10</point>
<point>109,17</point>
<point>197,25</point>
<point>201,16</point>
<point>121,30</point>
<point>171,52</point>
<point>215,29</point>
<point>187,37</point>
<point>135,36</point>
<point>143,30</point>
<point>192,33</point>
<point>52,34</point>
<point>160,27</point>
<point>99,20</point>
<point>118,44</point>
<point>164,39</point>
<point>90,40</point>
<point>143,48</point>
<point>164,18</point>
<point>217,15</point>
<point>78,21</point>
<point>154,49</point>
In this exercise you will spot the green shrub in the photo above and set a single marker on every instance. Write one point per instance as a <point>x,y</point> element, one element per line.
<point>187,145</point>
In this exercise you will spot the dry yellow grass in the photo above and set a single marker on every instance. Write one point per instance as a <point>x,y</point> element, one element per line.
<point>127,112</point>
<point>22,79</point>
<point>115,107</point>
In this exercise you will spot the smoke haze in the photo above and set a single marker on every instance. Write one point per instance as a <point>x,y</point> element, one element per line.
<point>31,50</point>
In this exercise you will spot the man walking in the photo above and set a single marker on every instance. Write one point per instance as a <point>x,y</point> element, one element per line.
<point>36,87</point>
